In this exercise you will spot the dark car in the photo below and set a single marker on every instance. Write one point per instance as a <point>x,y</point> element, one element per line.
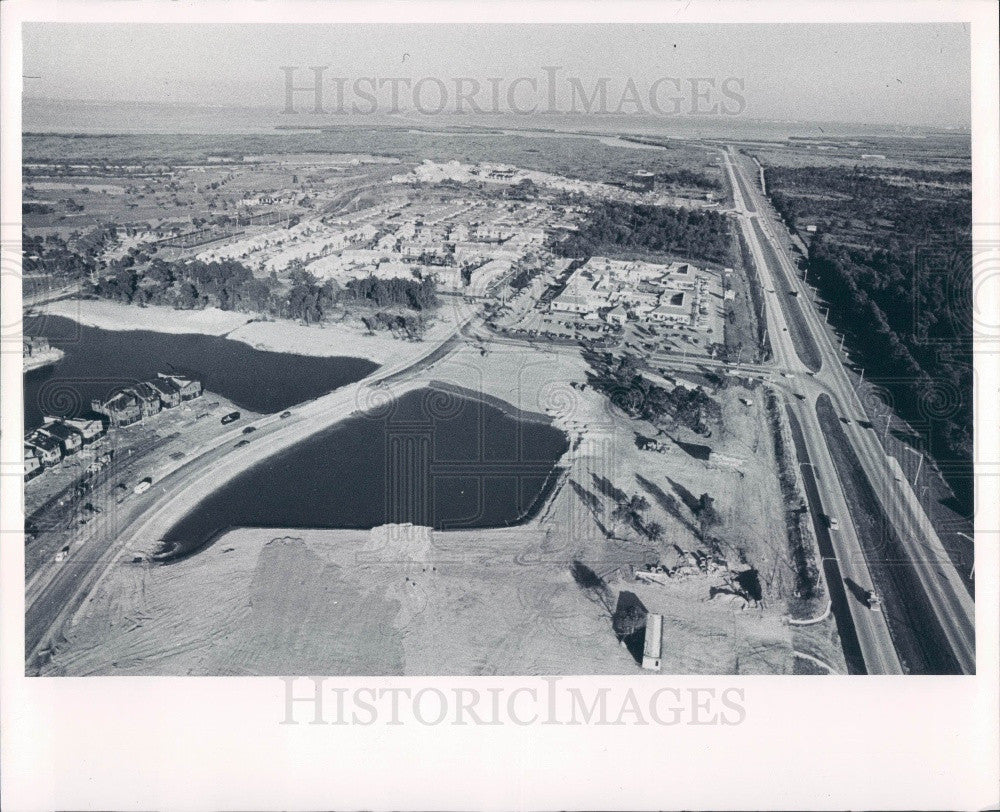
<point>249,429</point>
<point>285,414</point>
<point>241,443</point>
<point>229,418</point>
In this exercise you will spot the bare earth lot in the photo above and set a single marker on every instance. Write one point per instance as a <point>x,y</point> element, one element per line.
<point>501,601</point>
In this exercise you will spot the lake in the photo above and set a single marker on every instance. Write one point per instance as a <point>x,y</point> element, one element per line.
<point>433,458</point>
<point>97,362</point>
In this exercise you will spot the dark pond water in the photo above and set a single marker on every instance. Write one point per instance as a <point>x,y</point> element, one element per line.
<point>97,362</point>
<point>433,458</point>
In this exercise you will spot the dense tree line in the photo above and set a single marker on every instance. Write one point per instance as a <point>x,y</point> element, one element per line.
<point>416,294</point>
<point>230,285</point>
<point>894,262</point>
<point>613,226</point>
<point>841,198</point>
<point>75,258</point>
<point>688,177</point>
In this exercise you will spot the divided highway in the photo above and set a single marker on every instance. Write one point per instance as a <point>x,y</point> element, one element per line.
<point>953,608</point>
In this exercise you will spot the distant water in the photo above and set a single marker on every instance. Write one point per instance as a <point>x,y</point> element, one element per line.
<point>97,362</point>
<point>433,458</point>
<point>47,116</point>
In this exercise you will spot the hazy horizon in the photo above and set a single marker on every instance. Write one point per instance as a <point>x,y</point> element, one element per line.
<point>899,75</point>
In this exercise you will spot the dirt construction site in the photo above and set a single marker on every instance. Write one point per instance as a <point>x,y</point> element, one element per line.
<point>543,597</point>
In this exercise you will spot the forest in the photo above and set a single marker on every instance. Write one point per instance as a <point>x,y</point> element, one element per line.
<point>895,264</point>
<point>612,227</point>
<point>228,285</point>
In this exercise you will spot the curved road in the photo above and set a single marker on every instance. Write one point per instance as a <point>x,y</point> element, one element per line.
<point>54,597</point>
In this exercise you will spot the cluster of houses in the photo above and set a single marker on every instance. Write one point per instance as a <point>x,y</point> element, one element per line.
<point>60,437</point>
<point>618,291</point>
<point>144,399</point>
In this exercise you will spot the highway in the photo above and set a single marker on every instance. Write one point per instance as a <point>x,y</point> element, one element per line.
<point>953,608</point>
<point>52,601</point>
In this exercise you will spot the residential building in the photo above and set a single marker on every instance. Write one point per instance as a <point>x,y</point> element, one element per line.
<point>169,392</point>
<point>121,409</point>
<point>69,441</point>
<point>32,464</point>
<point>149,399</point>
<point>44,447</point>
<point>89,429</point>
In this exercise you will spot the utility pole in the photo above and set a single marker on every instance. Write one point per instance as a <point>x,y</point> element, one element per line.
<point>972,572</point>
<point>888,420</point>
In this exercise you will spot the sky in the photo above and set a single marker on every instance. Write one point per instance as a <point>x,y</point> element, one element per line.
<point>899,74</point>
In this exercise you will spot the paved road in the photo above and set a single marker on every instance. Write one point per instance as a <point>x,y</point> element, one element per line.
<point>53,598</point>
<point>871,629</point>
<point>53,603</point>
<point>952,605</point>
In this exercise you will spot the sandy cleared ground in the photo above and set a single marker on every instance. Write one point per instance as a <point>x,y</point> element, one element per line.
<point>498,601</point>
<point>278,336</point>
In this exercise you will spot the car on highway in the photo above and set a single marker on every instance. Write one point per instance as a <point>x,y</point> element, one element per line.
<point>249,429</point>
<point>144,485</point>
<point>285,414</point>
<point>241,443</point>
<point>229,418</point>
<point>832,523</point>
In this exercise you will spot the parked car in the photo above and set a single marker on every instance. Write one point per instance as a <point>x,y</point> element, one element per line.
<point>231,417</point>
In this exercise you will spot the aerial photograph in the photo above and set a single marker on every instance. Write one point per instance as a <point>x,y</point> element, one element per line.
<point>487,350</point>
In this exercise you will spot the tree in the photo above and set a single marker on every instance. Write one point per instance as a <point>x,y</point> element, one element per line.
<point>706,514</point>
<point>591,583</point>
<point>630,511</point>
